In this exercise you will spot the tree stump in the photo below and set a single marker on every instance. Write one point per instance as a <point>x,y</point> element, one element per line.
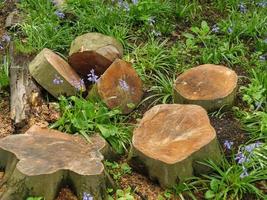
<point>94,51</point>
<point>42,160</point>
<point>210,86</point>
<point>169,141</point>
<point>55,75</point>
<point>119,87</point>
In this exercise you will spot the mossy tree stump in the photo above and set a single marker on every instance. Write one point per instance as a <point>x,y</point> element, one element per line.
<point>210,86</point>
<point>54,74</point>
<point>40,161</point>
<point>119,87</point>
<point>94,51</point>
<point>171,139</point>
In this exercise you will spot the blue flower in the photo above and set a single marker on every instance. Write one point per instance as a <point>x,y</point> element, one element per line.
<point>6,38</point>
<point>215,28</point>
<point>78,84</point>
<point>249,148</point>
<point>229,30</point>
<point>242,8</point>
<point>244,173</point>
<point>92,76</point>
<point>135,2</point>
<point>156,33</point>
<point>227,144</point>
<point>87,196</point>
<point>262,58</point>
<point>151,21</point>
<point>124,5</point>
<point>57,80</point>
<point>60,14</point>
<point>262,4</point>
<point>241,158</point>
<point>124,85</point>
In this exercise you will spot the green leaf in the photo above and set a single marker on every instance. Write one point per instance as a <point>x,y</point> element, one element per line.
<point>214,185</point>
<point>209,194</point>
<point>104,131</point>
<point>189,35</point>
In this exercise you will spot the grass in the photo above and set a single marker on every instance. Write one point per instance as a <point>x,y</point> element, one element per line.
<point>163,38</point>
<point>4,73</point>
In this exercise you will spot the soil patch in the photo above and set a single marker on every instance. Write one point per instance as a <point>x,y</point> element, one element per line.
<point>6,127</point>
<point>228,128</point>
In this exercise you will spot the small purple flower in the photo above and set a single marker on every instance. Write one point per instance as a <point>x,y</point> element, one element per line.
<point>135,2</point>
<point>230,30</point>
<point>262,4</point>
<point>241,158</point>
<point>215,29</point>
<point>87,196</point>
<point>124,5</point>
<point>156,33</point>
<point>78,84</point>
<point>262,58</point>
<point>92,77</point>
<point>124,85</point>
<point>242,8</point>
<point>151,21</point>
<point>228,145</point>
<point>1,47</point>
<point>57,80</point>
<point>249,148</point>
<point>60,14</point>
<point>6,38</point>
<point>244,173</point>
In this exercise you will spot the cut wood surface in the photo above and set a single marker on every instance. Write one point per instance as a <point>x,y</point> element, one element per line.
<point>22,87</point>
<point>210,86</point>
<point>40,161</point>
<point>55,75</point>
<point>171,138</point>
<point>119,87</point>
<point>94,51</point>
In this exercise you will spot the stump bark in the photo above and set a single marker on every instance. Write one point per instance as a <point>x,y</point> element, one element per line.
<point>210,86</point>
<point>40,161</point>
<point>55,75</point>
<point>94,51</point>
<point>22,87</point>
<point>171,139</point>
<point>119,87</point>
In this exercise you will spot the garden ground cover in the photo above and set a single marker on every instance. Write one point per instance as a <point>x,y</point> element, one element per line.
<point>163,39</point>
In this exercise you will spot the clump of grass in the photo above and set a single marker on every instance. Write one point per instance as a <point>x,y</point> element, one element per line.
<point>4,73</point>
<point>88,117</point>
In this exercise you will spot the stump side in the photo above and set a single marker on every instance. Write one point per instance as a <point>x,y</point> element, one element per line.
<point>210,86</point>
<point>120,86</point>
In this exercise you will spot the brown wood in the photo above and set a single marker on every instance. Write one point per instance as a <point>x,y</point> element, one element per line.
<point>93,51</point>
<point>48,66</point>
<point>40,161</point>
<point>171,138</point>
<point>120,87</point>
<point>210,86</point>
<point>22,87</point>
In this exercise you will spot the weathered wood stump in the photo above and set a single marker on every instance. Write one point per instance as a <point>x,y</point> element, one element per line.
<point>94,51</point>
<point>210,86</point>
<point>22,87</point>
<point>55,75</point>
<point>119,87</point>
<point>171,139</point>
<point>40,161</point>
